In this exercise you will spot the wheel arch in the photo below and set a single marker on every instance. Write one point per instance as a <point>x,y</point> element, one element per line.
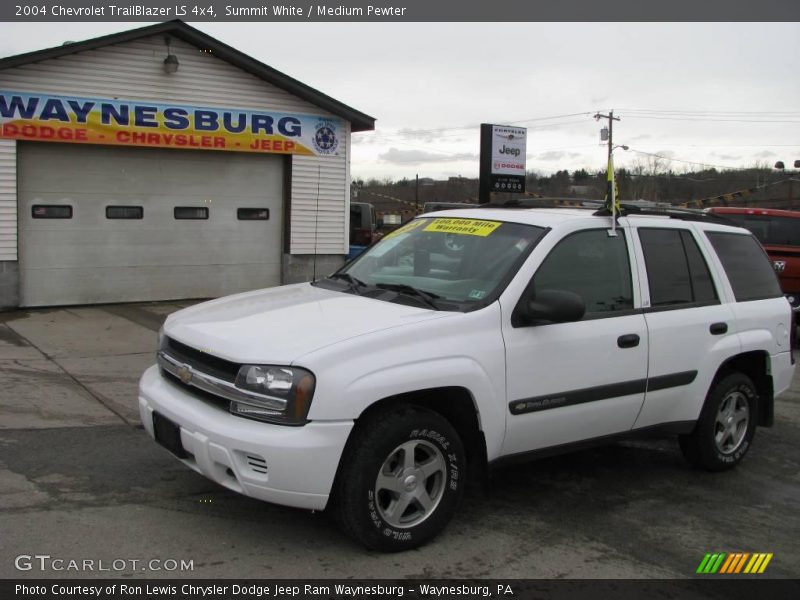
<point>756,365</point>
<point>456,404</point>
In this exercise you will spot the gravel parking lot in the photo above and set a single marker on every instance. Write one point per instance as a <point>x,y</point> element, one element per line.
<point>79,479</point>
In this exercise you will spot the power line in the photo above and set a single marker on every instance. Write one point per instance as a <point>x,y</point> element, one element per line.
<point>691,162</point>
<point>710,112</point>
<point>432,131</point>
<point>709,119</point>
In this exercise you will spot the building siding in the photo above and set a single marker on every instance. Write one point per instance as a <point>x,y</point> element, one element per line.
<point>133,71</point>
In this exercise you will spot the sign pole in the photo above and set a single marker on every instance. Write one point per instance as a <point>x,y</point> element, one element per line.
<point>485,181</point>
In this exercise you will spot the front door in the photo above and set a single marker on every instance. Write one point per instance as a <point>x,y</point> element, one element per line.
<point>574,381</point>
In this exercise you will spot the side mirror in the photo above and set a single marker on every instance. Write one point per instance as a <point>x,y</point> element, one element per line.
<point>554,306</point>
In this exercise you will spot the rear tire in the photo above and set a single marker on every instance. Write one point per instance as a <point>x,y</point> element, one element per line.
<point>402,477</point>
<point>726,426</point>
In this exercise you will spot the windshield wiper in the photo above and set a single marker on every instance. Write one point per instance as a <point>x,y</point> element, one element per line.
<point>402,288</point>
<point>355,283</point>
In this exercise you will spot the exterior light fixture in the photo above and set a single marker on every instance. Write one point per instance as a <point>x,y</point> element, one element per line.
<point>171,62</point>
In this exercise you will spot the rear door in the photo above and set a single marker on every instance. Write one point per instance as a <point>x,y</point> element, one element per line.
<point>691,330</point>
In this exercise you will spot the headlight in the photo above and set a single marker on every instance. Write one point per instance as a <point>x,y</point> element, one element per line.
<point>280,394</point>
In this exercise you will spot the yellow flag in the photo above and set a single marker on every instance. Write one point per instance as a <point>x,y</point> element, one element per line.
<point>612,193</point>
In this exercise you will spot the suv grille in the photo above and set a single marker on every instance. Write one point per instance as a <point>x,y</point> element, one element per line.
<point>203,362</point>
<point>208,397</point>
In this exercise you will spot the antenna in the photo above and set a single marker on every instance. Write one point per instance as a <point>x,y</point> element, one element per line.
<point>316,219</point>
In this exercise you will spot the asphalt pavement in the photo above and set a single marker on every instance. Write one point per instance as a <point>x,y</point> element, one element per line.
<point>81,481</point>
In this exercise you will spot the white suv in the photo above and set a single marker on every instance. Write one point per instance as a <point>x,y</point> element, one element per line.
<point>467,339</point>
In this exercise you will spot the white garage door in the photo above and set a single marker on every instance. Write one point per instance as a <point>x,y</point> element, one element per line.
<point>104,224</point>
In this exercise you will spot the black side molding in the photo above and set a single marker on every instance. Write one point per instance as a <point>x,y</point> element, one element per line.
<point>601,392</point>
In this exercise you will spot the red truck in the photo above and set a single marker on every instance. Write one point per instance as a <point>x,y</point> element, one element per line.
<point>779,233</point>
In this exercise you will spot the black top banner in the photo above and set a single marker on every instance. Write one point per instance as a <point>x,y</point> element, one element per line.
<point>401,10</point>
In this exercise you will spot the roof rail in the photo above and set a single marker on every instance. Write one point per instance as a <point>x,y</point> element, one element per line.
<point>673,212</point>
<point>631,207</point>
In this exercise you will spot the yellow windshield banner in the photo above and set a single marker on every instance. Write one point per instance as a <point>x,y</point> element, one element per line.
<point>406,228</point>
<point>463,226</point>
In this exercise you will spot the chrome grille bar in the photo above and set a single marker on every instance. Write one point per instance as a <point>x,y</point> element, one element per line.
<point>213,385</point>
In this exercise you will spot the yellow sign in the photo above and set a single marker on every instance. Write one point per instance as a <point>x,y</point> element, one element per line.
<point>463,226</point>
<point>406,228</point>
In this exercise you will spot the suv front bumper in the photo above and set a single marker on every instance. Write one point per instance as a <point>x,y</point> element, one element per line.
<point>294,466</point>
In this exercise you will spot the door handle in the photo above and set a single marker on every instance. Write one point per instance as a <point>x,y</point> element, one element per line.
<point>630,340</point>
<point>718,328</point>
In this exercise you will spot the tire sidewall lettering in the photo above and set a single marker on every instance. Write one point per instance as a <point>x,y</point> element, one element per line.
<point>736,456</point>
<point>451,484</point>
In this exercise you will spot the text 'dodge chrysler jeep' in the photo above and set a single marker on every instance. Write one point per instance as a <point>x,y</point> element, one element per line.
<point>463,340</point>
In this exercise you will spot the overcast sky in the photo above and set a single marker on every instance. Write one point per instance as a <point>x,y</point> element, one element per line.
<point>723,94</point>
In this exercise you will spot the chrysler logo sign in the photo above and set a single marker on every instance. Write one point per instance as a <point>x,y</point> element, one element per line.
<point>184,373</point>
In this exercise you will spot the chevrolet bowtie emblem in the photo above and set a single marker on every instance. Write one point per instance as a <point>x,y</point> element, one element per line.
<point>184,373</point>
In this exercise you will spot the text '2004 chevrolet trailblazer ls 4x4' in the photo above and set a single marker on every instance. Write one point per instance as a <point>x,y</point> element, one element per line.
<point>465,339</point>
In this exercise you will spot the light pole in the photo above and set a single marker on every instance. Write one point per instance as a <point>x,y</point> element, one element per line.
<point>780,166</point>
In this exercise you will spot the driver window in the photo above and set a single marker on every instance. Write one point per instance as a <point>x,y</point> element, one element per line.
<point>592,264</point>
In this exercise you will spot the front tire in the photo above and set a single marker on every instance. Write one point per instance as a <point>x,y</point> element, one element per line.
<point>401,480</point>
<point>726,427</point>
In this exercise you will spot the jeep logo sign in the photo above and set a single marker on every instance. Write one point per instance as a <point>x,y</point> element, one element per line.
<point>512,151</point>
<point>508,150</point>
<point>502,159</point>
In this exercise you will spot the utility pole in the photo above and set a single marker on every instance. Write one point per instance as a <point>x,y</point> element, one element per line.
<point>611,191</point>
<point>416,194</point>
<point>611,118</point>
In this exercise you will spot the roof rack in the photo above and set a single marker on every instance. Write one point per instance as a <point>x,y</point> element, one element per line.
<point>673,212</point>
<point>630,207</point>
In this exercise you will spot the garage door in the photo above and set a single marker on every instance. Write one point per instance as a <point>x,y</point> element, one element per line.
<point>103,224</point>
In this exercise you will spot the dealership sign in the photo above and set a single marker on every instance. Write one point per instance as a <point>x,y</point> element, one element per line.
<point>502,159</point>
<point>71,119</point>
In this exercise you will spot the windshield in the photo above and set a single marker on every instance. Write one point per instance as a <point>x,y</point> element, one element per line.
<point>444,260</point>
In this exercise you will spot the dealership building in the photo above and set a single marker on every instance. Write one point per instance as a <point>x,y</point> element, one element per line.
<point>160,164</point>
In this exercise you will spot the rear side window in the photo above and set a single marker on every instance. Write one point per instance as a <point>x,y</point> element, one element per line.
<point>676,270</point>
<point>747,266</point>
